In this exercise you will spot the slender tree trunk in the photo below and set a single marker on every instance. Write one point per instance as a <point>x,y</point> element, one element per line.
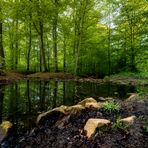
<point>109,41</point>
<point>132,66</point>
<point>55,45</point>
<point>55,35</point>
<point>2,56</point>
<point>64,59</point>
<point>108,51</point>
<point>30,44</point>
<point>16,45</point>
<point>80,29</point>
<point>43,59</point>
<point>11,50</point>
<point>48,56</point>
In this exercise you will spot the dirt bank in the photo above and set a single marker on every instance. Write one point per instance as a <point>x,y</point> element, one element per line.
<point>67,130</point>
<point>121,80</point>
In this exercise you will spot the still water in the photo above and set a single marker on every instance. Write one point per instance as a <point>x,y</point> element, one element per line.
<point>21,101</point>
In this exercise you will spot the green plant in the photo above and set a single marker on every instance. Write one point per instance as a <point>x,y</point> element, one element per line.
<point>145,128</point>
<point>102,130</point>
<point>111,106</point>
<point>120,125</point>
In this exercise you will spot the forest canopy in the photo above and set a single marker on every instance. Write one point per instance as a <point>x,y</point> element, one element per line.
<point>83,37</point>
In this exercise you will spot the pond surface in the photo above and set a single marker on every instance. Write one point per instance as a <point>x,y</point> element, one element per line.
<point>21,101</point>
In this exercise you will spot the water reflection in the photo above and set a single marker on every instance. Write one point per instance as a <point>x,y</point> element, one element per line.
<point>20,102</point>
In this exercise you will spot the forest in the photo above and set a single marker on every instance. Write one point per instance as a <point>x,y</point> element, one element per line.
<point>82,37</point>
<point>73,74</point>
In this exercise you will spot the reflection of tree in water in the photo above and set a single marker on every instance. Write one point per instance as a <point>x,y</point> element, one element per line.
<point>55,91</point>
<point>1,101</point>
<point>23,100</point>
<point>123,90</point>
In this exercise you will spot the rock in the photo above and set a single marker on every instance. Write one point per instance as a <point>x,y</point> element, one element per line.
<point>87,100</point>
<point>129,120</point>
<point>90,102</point>
<point>51,113</point>
<point>92,124</point>
<point>74,109</point>
<point>102,99</point>
<point>4,129</point>
<point>132,97</point>
<point>60,123</point>
<point>105,99</point>
<point>93,104</point>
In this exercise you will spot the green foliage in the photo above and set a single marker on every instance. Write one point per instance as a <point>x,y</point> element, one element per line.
<point>102,130</point>
<point>142,91</point>
<point>93,37</point>
<point>118,125</point>
<point>111,106</point>
<point>145,128</point>
<point>144,121</point>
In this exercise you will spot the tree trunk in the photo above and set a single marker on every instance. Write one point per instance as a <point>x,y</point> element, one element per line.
<point>55,45</point>
<point>55,35</point>
<point>43,59</point>
<point>108,51</point>
<point>109,41</point>
<point>16,45</point>
<point>64,56</point>
<point>30,44</point>
<point>2,56</point>
<point>132,65</point>
<point>80,29</point>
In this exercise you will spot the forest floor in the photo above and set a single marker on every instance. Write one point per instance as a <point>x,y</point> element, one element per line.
<point>67,130</point>
<point>10,76</point>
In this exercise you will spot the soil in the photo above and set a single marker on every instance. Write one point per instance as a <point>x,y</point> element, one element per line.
<point>70,134</point>
<point>10,76</point>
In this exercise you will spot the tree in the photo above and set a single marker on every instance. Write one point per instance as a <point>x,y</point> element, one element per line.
<point>130,23</point>
<point>2,56</point>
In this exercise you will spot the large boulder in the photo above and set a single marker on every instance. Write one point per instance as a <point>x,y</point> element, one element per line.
<point>92,124</point>
<point>90,102</point>
<point>59,112</point>
<point>87,100</point>
<point>4,126</point>
<point>55,113</point>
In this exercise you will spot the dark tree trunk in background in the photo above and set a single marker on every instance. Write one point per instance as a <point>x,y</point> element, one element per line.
<point>2,57</point>
<point>30,44</point>
<point>42,49</point>
<point>16,45</point>
<point>64,55</point>
<point>55,35</point>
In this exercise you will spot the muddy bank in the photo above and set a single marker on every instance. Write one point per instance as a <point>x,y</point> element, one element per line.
<point>10,76</point>
<point>64,127</point>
